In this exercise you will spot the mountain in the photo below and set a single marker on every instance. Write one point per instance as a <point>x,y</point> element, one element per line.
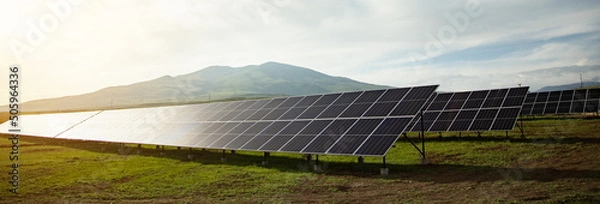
<point>569,86</point>
<point>211,83</point>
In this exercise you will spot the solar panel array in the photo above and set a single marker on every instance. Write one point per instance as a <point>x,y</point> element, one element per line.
<point>363,123</point>
<point>483,110</point>
<point>562,102</point>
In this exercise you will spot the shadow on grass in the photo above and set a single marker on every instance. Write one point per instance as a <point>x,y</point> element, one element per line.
<point>438,173</point>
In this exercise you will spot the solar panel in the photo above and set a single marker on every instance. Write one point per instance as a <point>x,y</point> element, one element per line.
<point>562,102</point>
<point>48,125</point>
<point>481,110</point>
<point>364,123</point>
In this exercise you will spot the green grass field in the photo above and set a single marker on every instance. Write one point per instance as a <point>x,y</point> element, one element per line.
<point>559,161</point>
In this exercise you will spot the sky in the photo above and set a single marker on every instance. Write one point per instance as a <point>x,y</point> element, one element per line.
<point>73,47</point>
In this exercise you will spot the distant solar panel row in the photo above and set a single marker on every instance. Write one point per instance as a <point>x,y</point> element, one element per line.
<point>562,102</point>
<point>482,110</point>
<point>365,123</point>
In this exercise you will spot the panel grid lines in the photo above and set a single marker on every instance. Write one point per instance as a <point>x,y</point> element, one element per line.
<point>567,102</point>
<point>363,123</point>
<point>472,111</point>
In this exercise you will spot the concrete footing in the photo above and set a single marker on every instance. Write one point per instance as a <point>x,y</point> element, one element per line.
<point>424,161</point>
<point>384,171</point>
<point>223,159</point>
<point>317,168</point>
<point>190,156</point>
<point>264,163</point>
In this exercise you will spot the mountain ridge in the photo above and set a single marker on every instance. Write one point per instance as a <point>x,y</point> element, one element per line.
<point>207,84</point>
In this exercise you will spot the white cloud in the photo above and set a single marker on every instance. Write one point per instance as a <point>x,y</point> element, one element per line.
<point>104,43</point>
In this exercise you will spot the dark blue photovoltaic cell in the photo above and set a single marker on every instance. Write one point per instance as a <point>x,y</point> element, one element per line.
<point>369,96</point>
<point>551,108</point>
<point>591,106</point>
<point>563,102</point>
<point>443,121</point>
<point>580,94</point>
<point>506,119</point>
<point>440,101</point>
<point>593,94</point>
<point>372,146</point>
<point>350,123</point>
<point>347,144</point>
<point>381,109</point>
<point>333,111</point>
<point>420,93</point>
<point>290,102</point>
<point>407,108</point>
<point>307,101</point>
<point>326,99</point>
<point>276,143</point>
<point>428,119</point>
<point>232,134</point>
<point>472,110</point>
<point>495,98</point>
<point>312,112</point>
<point>567,95</point>
<point>476,99</point>
<point>297,143</point>
<point>259,140</point>
<point>517,92</point>
<point>457,101</point>
<point>284,135</point>
<point>393,95</point>
<point>364,126</point>
<point>528,107</point>
<point>392,126</point>
<point>243,138</point>
<point>274,103</point>
<point>554,96</point>
<point>563,108</point>
<point>347,98</point>
<point>356,110</point>
<point>542,97</point>
<point>338,127</point>
<point>292,113</point>
<point>531,97</point>
<point>275,114</point>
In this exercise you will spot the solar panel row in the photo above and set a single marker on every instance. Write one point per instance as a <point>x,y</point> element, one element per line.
<point>562,102</point>
<point>364,123</point>
<point>482,110</point>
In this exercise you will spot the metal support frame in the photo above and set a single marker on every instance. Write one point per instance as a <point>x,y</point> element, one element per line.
<point>521,127</point>
<point>361,160</point>
<point>223,158</point>
<point>422,137</point>
<point>266,156</point>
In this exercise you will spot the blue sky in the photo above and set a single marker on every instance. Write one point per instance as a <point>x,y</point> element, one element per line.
<point>73,47</point>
